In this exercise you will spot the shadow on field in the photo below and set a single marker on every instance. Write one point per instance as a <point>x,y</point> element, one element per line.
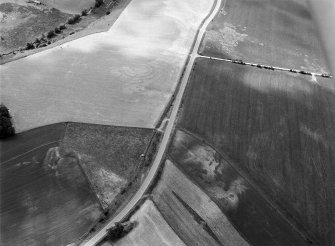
<point>278,130</point>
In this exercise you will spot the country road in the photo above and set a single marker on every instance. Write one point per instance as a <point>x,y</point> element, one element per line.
<point>167,134</point>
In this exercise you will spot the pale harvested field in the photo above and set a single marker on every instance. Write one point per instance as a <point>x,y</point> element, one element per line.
<point>151,229</point>
<point>191,213</point>
<point>124,76</point>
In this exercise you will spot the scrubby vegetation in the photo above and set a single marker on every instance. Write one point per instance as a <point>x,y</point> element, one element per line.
<point>6,126</point>
<point>119,230</point>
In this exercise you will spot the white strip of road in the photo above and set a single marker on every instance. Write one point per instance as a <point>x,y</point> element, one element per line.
<point>167,134</point>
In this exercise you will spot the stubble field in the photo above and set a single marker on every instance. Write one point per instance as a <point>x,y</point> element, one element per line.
<point>278,129</point>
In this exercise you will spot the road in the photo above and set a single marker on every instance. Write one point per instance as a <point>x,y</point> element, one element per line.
<point>168,131</point>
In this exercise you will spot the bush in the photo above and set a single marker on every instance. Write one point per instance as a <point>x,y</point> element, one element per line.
<point>62,27</point>
<point>84,12</point>
<point>50,34</point>
<point>29,46</point>
<point>73,20</point>
<point>98,3</point>
<point>76,18</point>
<point>115,232</point>
<point>57,30</point>
<point>108,12</point>
<point>70,21</point>
<point>6,127</point>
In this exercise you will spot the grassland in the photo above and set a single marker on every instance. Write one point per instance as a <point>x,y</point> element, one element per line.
<point>26,22</point>
<point>277,129</point>
<point>20,24</point>
<point>69,6</point>
<point>151,229</point>
<point>67,174</point>
<point>126,75</point>
<point>195,218</point>
<point>275,33</point>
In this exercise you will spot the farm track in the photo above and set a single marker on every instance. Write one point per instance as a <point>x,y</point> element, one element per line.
<point>168,132</point>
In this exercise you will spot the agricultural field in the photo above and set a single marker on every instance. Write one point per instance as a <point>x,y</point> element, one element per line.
<point>66,174</point>
<point>195,218</point>
<point>44,194</point>
<point>277,129</point>
<point>151,229</point>
<point>124,76</point>
<point>274,33</point>
<point>244,206</point>
<point>110,157</point>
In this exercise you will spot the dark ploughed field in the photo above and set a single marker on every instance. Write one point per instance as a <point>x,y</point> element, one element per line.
<point>277,129</point>
<point>43,202</point>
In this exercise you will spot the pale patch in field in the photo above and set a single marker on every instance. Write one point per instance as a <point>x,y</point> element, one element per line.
<point>268,81</point>
<point>109,184</point>
<point>124,76</point>
<point>317,137</point>
<point>226,39</point>
<point>236,188</point>
<point>206,157</point>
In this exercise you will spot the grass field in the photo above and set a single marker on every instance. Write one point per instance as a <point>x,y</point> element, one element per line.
<point>43,195</point>
<point>191,213</point>
<point>276,33</point>
<point>126,76</point>
<point>57,180</point>
<point>278,128</point>
<point>151,229</point>
<point>69,6</point>
<point>110,156</point>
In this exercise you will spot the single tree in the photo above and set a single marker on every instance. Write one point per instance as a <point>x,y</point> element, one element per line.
<point>6,126</point>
